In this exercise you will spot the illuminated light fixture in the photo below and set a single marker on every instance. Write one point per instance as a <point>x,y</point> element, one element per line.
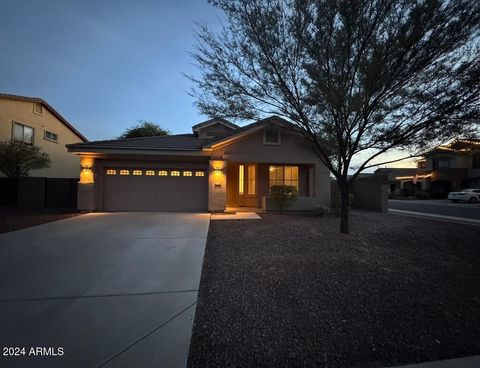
<point>86,172</point>
<point>217,170</point>
<point>413,177</point>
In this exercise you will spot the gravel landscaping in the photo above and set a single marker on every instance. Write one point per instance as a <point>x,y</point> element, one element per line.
<point>16,218</point>
<point>289,290</point>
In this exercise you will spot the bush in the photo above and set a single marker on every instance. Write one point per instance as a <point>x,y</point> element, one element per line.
<point>320,211</point>
<point>423,194</point>
<point>283,195</point>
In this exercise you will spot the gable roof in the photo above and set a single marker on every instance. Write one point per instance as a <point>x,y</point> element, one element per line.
<point>54,112</point>
<point>209,122</point>
<point>178,142</point>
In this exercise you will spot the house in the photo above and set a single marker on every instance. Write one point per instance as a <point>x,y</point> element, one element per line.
<point>33,121</point>
<point>447,167</point>
<point>220,165</point>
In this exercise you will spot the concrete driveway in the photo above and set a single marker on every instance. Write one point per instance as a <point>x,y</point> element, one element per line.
<point>110,290</point>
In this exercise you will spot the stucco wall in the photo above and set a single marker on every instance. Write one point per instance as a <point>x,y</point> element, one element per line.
<point>64,164</point>
<point>293,149</point>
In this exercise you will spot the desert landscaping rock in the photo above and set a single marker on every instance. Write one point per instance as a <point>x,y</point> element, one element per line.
<point>289,290</point>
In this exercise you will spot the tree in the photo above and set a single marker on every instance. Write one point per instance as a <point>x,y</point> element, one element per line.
<point>144,129</point>
<point>18,158</point>
<point>357,78</point>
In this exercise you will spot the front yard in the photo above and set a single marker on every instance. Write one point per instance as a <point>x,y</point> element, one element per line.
<point>289,290</point>
<point>16,218</point>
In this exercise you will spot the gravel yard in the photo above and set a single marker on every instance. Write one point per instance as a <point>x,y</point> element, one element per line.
<point>289,290</point>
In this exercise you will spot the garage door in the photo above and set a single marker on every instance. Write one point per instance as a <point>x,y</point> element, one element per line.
<point>150,189</point>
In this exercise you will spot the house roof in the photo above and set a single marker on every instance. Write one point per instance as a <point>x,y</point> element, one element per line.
<point>7,96</point>
<point>179,142</point>
<point>206,123</point>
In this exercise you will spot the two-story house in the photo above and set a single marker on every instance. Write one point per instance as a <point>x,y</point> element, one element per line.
<point>448,167</point>
<point>33,121</point>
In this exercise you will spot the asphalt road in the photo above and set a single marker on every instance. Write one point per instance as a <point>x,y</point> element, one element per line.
<point>438,207</point>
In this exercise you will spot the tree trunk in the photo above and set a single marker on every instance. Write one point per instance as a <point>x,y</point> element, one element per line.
<point>344,204</point>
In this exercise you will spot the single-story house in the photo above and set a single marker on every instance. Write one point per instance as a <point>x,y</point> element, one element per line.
<point>220,165</point>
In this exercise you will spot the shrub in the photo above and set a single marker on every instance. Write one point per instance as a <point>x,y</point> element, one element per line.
<point>18,158</point>
<point>283,195</point>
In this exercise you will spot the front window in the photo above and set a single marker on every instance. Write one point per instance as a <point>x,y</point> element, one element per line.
<point>241,179</point>
<point>283,175</point>
<point>251,179</point>
<point>22,133</point>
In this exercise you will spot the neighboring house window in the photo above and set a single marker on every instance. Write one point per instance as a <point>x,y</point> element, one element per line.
<point>241,179</point>
<point>22,133</point>
<point>283,175</point>
<point>199,173</point>
<point>50,136</point>
<point>38,108</point>
<point>441,163</point>
<point>271,135</point>
<point>251,179</point>
<point>162,173</point>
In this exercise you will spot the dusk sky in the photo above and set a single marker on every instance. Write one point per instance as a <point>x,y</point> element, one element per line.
<point>106,64</point>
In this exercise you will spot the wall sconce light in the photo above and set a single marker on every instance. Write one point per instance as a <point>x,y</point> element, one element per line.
<point>86,173</point>
<point>217,170</point>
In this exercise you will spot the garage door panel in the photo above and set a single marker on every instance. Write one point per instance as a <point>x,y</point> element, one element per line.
<point>155,193</point>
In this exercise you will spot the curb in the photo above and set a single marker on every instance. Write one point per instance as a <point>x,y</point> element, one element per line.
<point>431,216</point>
<point>466,362</point>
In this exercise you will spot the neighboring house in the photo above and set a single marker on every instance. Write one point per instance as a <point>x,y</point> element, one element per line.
<point>448,167</point>
<point>33,121</point>
<point>220,165</point>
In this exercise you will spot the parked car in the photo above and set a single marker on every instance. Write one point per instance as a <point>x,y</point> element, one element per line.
<point>469,195</point>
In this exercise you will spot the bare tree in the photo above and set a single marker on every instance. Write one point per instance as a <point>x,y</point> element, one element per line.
<point>357,78</point>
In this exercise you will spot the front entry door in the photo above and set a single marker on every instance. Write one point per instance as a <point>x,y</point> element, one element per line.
<point>247,185</point>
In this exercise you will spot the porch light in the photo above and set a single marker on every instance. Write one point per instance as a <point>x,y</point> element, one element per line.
<point>86,172</point>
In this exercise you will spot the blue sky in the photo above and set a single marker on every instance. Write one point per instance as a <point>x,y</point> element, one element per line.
<point>104,64</point>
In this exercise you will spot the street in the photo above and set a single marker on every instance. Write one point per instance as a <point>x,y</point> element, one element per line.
<point>442,207</point>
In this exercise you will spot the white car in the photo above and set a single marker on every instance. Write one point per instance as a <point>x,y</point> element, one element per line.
<point>469,195</point>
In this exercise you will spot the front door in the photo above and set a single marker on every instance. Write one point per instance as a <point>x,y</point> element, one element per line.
<point>247,185</point>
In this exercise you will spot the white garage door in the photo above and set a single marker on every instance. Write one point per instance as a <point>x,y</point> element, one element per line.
<point>155,189</point>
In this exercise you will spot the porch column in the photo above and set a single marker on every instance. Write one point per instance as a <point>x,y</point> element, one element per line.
<point>217,185</point>
<point>86,185</point>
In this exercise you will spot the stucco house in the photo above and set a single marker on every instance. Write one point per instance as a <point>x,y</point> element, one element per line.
<point>33,121</point>
<point>219,165</point>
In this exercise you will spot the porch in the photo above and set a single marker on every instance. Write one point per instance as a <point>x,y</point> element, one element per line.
<point>245,186</point>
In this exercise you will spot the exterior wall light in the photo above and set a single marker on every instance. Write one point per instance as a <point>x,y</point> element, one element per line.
<point>86,172</point>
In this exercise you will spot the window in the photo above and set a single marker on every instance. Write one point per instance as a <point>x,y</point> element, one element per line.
<point>50,136</point>
<point>199,173</point>
<point>271,135</point>
<point>175,173</point>
<point>251,179</point>
<point>22,133</point>
<point>38,108</point>
<point>162,173</point>
<point>241,179</point>
<point>187,173</point>
<point>124,172</point>
<point>137,172</point>
<point>150,173</point>
<point>283,175</point>
<point>441,163</point>
<point>111,172</point>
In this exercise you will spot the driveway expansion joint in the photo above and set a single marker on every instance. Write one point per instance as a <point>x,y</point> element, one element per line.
<point>95,296</point>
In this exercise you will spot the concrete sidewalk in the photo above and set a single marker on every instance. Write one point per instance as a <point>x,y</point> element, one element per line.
<point>431,216</point>
<point>466,362</point>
